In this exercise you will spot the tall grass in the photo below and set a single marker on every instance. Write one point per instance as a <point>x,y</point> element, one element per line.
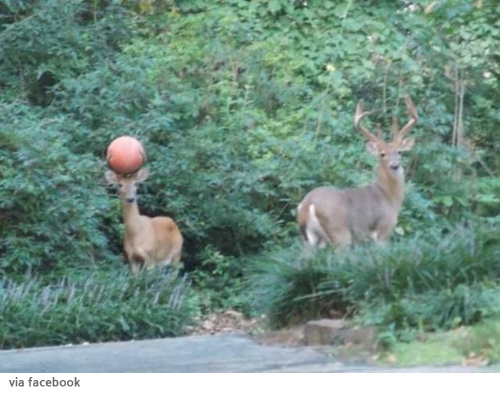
<point>427,283</point>
<point>284,286</point>
<point>99,307</point>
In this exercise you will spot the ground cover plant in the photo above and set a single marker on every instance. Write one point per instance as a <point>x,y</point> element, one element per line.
<point>244,107</point>
<point>94,308</point>
<point>427,284</point>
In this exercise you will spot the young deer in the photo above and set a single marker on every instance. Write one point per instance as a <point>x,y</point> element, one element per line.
<point>335,216</point>
<point>148,242</point>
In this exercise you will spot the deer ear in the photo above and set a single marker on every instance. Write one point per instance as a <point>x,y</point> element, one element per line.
<point>372,148</point>
<point>142,175</point>
<point>407,144</point>
<point>111,177</point>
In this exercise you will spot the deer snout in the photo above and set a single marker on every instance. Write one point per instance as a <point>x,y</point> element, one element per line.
<point>129,195</point>
<point>394,162</point>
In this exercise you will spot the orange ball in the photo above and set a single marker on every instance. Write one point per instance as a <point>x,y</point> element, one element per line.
<point>125,155</point>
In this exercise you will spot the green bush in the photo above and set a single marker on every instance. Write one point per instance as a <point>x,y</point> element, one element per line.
<point>220,283</point>
<point>55,212</point>
<point>241,117</point>
<point>60,39</point>
<point>94,307</point>
<point>417,283</point>
<point>244,107</point>
<point>284,285</point>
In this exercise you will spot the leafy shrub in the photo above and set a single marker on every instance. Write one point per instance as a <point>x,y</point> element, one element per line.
<point>60,39</point>
<point>219,281</point>
<point>52,203</point>
<point>417,283</point>
<point>243,108</point>
<point>95,307</point>
<point>284,285</point>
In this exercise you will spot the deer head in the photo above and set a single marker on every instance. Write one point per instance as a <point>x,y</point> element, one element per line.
<point>389,152</point>
<point>331,215</point>
<point>127,184</point>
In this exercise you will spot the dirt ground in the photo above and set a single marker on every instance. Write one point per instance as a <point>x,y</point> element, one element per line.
<point>228,321</point>
<point>231,321</point>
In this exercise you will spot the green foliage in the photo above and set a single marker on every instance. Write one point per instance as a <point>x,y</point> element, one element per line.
<point>483,340</point>
<point>219,281</point>
<point>243,107</point>
<point>44,42</point>
<point>419,284</point>
<point>93,308</point>
<point>52,203</point>
<point>284,286</point>
<point>478,344</point>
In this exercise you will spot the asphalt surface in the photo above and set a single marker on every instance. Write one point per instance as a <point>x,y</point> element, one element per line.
<point>220,353</point>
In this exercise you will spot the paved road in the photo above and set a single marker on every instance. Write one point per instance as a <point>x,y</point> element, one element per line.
<point>222,353</point>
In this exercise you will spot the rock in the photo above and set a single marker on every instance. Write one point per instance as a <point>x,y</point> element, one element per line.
<point>330,331</point>
<point>336,314</point>
<point>208,325</point>
<point>322,331</point>
<point>227,321</point>
<point>234,314</point>
<point>365,335</point>
<point>289,336</point>
<point>391,358</point>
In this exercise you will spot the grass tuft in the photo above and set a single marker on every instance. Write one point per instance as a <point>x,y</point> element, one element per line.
<point>417,283</point>
<point>97,308</point>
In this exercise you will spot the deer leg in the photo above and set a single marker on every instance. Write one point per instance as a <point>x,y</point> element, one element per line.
<point>173,258</point>
<point>341,238</point>
<point>134,267</point>
<point>149,266</point>
<point>383,231</point>
<point>136,262</point>
<point>132,262</point>
<point>150,263</point>
<point>176,257</point>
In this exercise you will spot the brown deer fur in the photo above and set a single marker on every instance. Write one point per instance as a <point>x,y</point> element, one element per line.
<point>329,215</point>
<point>149,241</point>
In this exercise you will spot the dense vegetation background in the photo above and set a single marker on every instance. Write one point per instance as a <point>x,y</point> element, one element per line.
<point>243,107</point>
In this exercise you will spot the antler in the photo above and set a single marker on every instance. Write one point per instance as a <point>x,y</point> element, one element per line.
<point>360,114</point>
<point>412,111</point>
<point>379,131</point>
<point>394,127</point>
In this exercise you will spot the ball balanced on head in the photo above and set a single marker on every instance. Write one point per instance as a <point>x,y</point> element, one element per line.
<point>125,155</point>
<point>148,242</point>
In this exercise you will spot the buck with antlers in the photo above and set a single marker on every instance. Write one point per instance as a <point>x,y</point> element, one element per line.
<point>149,241</point>
<point>335,216</point>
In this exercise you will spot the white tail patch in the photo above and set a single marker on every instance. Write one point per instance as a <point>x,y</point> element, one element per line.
<point>341,216</point>
<point>314,231</point>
